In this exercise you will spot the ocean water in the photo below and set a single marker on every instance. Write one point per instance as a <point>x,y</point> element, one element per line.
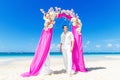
<point>56,54</point>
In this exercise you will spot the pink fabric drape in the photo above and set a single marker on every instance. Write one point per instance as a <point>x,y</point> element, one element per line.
<point>40,53</point>
<point>64,15</point>
<point>77,54</point>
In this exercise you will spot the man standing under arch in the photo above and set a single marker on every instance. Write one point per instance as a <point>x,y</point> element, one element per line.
<point>66,47</point>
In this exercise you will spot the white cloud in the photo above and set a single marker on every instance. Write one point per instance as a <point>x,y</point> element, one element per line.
<point>88,42</point>
<point>98,46</point>
<point>117,45</point>
<point>109,45</point>
<point>54,47</point>
<point>112,40</point>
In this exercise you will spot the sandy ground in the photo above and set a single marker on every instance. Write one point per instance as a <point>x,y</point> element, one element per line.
<point>99,68</point>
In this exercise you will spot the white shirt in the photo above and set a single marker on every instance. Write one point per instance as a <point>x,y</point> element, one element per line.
<point>67,38</point>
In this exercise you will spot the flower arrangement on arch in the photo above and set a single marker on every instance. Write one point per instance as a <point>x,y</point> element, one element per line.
<point>53,13</point>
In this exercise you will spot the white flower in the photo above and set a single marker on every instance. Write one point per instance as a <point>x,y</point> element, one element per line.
<point>78,29</point>
<point>57,9</point>
<point>63,11</point>
<point>52,15</point>
<point>46,20</point>
<point>76,22</point>
<point>72,14</point>
<point>50,26</point>
<point>73,19</point>
<point>77,16</point>
<point>42,10</point>
<point>51,10</point>
<point>72,10</point>
<point>67,12</point>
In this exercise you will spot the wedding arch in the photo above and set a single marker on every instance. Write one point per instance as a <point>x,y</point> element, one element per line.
<point>43,47</point>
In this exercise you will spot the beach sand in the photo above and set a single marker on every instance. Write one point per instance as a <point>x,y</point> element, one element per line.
<point>99,68</point>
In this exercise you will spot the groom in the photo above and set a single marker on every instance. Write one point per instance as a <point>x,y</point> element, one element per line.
<point>66,47</point>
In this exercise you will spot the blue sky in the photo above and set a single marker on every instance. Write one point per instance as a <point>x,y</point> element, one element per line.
<point>21,24</point>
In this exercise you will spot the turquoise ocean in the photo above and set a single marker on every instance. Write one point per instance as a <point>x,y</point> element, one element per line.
<point>56,54</point>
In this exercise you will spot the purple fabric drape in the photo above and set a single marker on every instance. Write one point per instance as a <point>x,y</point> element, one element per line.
<point>40,53</point>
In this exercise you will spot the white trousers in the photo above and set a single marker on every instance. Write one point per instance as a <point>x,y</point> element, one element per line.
<point>67,58</point>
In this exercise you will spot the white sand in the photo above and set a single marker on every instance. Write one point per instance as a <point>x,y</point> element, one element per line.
<point>100,68</point>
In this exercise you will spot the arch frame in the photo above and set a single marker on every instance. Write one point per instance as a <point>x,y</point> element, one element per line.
<point>44,43</point>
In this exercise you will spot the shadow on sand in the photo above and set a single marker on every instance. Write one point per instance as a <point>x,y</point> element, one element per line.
<point>95,68</point>
<point>59,71</point>
<point>89,69</point>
